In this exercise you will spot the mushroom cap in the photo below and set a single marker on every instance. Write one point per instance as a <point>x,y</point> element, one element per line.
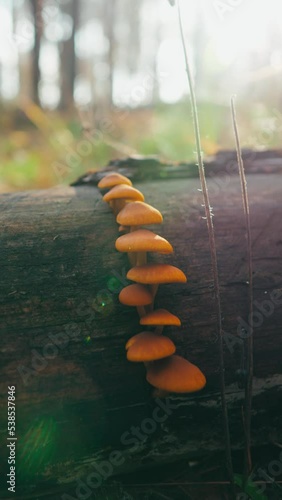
<point>143,240</point>
<point>133,339</point>
<point>150,274</point>
<point>160,317</point>
<point>138,213</point>
<point>135,295</point>
<point>113,179</point>
<point>175,374</point>
<point>148,346</point>
<point>123,191</point>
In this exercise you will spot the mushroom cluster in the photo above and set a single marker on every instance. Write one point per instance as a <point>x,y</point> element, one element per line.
<point>166,371</point>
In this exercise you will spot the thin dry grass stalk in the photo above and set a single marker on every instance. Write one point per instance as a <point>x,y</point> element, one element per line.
<point>212,244</point>
<point>249,339</point>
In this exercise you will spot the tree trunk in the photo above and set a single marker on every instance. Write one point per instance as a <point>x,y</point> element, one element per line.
<point>108,19</point>
<point>68,59</point>
<point>63,330</point>
<point>36,8</point>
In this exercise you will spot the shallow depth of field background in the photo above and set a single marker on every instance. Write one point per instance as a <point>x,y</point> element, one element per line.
<point>85,81</point>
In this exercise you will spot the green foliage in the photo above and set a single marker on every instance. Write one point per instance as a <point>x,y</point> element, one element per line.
<point>250,489</point>
<point>30,149</point>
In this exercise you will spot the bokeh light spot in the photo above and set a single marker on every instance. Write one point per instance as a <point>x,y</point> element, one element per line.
<point>114,284</point>
<point>103,303</point>
<point>36,447</point>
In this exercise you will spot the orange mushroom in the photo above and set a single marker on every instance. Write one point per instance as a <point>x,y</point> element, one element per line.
<point>136,295</point>
<point>175,374</point>
<point>113,179</point>
<point>133,339</point>
<point>160,318</point>
<point>146,346</point>
<point>166,371</point>
<point>154,274</point>
<point>118,195</point>
<point>142,241</point>
<point>138,213</point>
<point>123,191</point>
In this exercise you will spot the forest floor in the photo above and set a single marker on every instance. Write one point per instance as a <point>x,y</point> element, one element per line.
<point>42,148</point>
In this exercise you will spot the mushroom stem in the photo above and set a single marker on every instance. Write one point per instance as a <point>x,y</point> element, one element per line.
<point>119,204</point>
<point>133,228</point>
<point>141,311</point>
<point>147,364</point>
<point>123,229</point>
<point>141,258</point>
<point>132,258</point>
<point>159,329</point>
<point>150,307</point>
<point>114,207</point>
<point>154,289</point>
<point>159,393</point>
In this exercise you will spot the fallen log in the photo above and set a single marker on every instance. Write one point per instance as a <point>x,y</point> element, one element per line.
<point>79,403</point>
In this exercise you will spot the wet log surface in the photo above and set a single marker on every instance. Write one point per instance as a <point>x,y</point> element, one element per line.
<point>63,330</point>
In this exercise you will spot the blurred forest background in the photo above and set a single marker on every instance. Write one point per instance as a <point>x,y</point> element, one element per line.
<point>85,81</point>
